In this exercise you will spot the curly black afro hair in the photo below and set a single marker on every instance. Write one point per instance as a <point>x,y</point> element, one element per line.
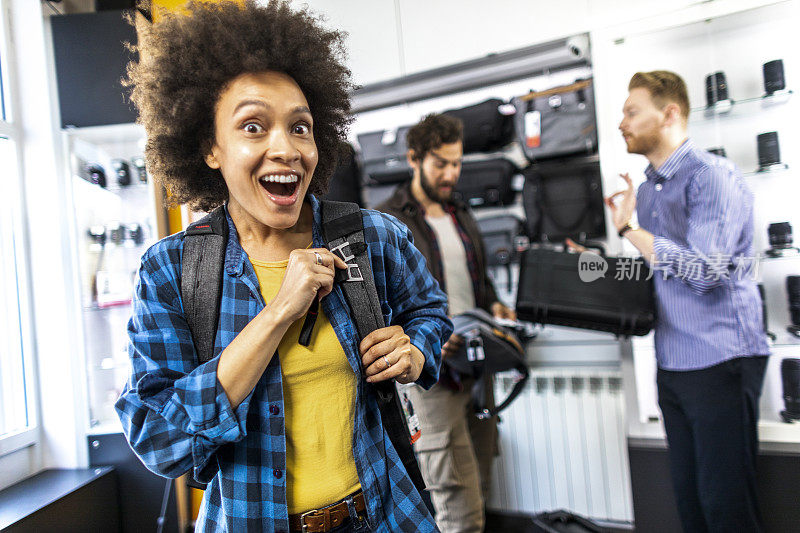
<point>185,63</point>
<point>433,131</point>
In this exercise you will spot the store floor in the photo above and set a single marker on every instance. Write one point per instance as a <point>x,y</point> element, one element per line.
<point>519,523</point>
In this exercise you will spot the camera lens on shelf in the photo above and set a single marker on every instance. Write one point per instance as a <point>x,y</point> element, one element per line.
<point>780,235</point>
<point>135,233</point>
<point>97,235</point>
<point>769,151</point>
<point>123,170</point>
<point>793,290</point>
<point>790,377</point>
<point>141,171</point>
<point>96,174</point>
<point>774,79</point>
<point>716,88</point>
<point>116,233</point>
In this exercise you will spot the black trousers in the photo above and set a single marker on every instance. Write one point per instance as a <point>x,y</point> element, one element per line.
<point>711,419</point>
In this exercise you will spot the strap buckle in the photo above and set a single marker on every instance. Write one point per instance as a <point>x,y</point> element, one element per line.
<point>303,519</point>
<point>345,252</point>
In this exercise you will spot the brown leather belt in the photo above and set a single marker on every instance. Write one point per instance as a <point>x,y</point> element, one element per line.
<point>327,518</point>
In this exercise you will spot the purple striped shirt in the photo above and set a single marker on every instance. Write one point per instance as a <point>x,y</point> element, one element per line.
<point>701,213</point>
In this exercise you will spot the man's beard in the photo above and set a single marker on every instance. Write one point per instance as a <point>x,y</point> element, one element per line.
<point>643,144</point>
<point>430,190</point>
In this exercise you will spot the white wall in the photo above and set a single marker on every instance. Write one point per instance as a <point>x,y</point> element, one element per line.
<point>392,38</point>
<point>373,43</point>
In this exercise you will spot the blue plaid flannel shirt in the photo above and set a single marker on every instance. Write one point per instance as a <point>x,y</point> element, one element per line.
<point>177,417</point>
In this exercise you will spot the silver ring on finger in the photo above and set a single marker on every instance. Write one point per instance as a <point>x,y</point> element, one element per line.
<point>319,257</point>
<point>388,364</point>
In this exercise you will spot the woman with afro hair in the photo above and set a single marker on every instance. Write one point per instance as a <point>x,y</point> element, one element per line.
<point>245,106</point>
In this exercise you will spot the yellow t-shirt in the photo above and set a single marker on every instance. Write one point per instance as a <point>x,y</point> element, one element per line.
<point>319,396</point>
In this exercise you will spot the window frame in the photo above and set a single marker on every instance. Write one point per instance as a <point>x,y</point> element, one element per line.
<point>16,211</point>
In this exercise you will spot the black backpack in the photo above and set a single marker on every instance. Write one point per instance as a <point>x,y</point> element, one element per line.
<point>343,230</point>
<point>489,347</point>
<point>345,183</point>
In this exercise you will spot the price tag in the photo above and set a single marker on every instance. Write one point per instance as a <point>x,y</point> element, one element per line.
<point>533,129</point>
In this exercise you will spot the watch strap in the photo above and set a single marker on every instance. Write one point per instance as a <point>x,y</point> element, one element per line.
<point>626,228</point>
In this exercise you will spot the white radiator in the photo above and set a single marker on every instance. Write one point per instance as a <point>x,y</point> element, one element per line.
<point>562,446</point>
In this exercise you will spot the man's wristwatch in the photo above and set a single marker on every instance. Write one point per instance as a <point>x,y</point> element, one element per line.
<point>629,226</point>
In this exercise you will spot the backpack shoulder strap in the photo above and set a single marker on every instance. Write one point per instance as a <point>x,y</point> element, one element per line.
<point>202,263</point>
<point>343,230</point>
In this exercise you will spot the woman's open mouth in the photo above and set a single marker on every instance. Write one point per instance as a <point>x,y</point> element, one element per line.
<point>281,188</point>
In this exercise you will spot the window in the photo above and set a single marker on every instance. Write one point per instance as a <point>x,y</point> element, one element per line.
<point>16,419</point>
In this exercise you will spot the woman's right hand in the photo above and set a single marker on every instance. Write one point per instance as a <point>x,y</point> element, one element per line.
<point>309,273</point>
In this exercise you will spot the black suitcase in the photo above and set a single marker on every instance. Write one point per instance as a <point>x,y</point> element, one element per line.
<point>564,198</point>
<point>557,122</point>
<point>345,183</point>
<point>384,155</point>
<point>486,182</point>
<point>501,234</point>
<point>564,522</point>
<point>486,126</point>
<point>569,289</point>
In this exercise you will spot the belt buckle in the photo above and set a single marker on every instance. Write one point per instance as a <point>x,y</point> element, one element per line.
<point>303,516</point>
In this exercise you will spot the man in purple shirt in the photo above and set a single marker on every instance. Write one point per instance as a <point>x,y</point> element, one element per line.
<point>696,217</point>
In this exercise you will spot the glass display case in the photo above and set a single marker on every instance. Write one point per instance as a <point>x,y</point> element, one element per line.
<point>115,221</point>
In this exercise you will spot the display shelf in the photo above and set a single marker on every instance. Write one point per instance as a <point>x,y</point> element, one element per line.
<point>106,307</point>
<point>783,337</point>
<point>114,224</point>
<point>111,134</point>
<point>111,366</point>
<point>762,256</point>
<point>768,431</point>
<point>738,108</point>
<point>771,431</point>
<point>771,171</point>
<point>111,425</point>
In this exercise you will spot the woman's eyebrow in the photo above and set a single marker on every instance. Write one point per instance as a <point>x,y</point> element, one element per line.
<point>261,103</point>
<point>245,103</point>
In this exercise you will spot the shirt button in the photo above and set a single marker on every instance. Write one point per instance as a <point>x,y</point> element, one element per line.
<point>273,410</point>
<point>277,473</point>
<point>659,187</point>
<point>654,214</point>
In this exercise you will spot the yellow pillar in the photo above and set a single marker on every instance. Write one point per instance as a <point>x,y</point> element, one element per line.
<point>174,215</point>
<point>159,6</point>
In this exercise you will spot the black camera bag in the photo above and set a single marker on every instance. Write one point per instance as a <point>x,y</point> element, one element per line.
<point>486,182</point>
<point>564,198</point>
<point>486,128</point>
<point>500,234</point>
<point>384,155</point>
<point>551,292</point>
<point>488,348</point>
